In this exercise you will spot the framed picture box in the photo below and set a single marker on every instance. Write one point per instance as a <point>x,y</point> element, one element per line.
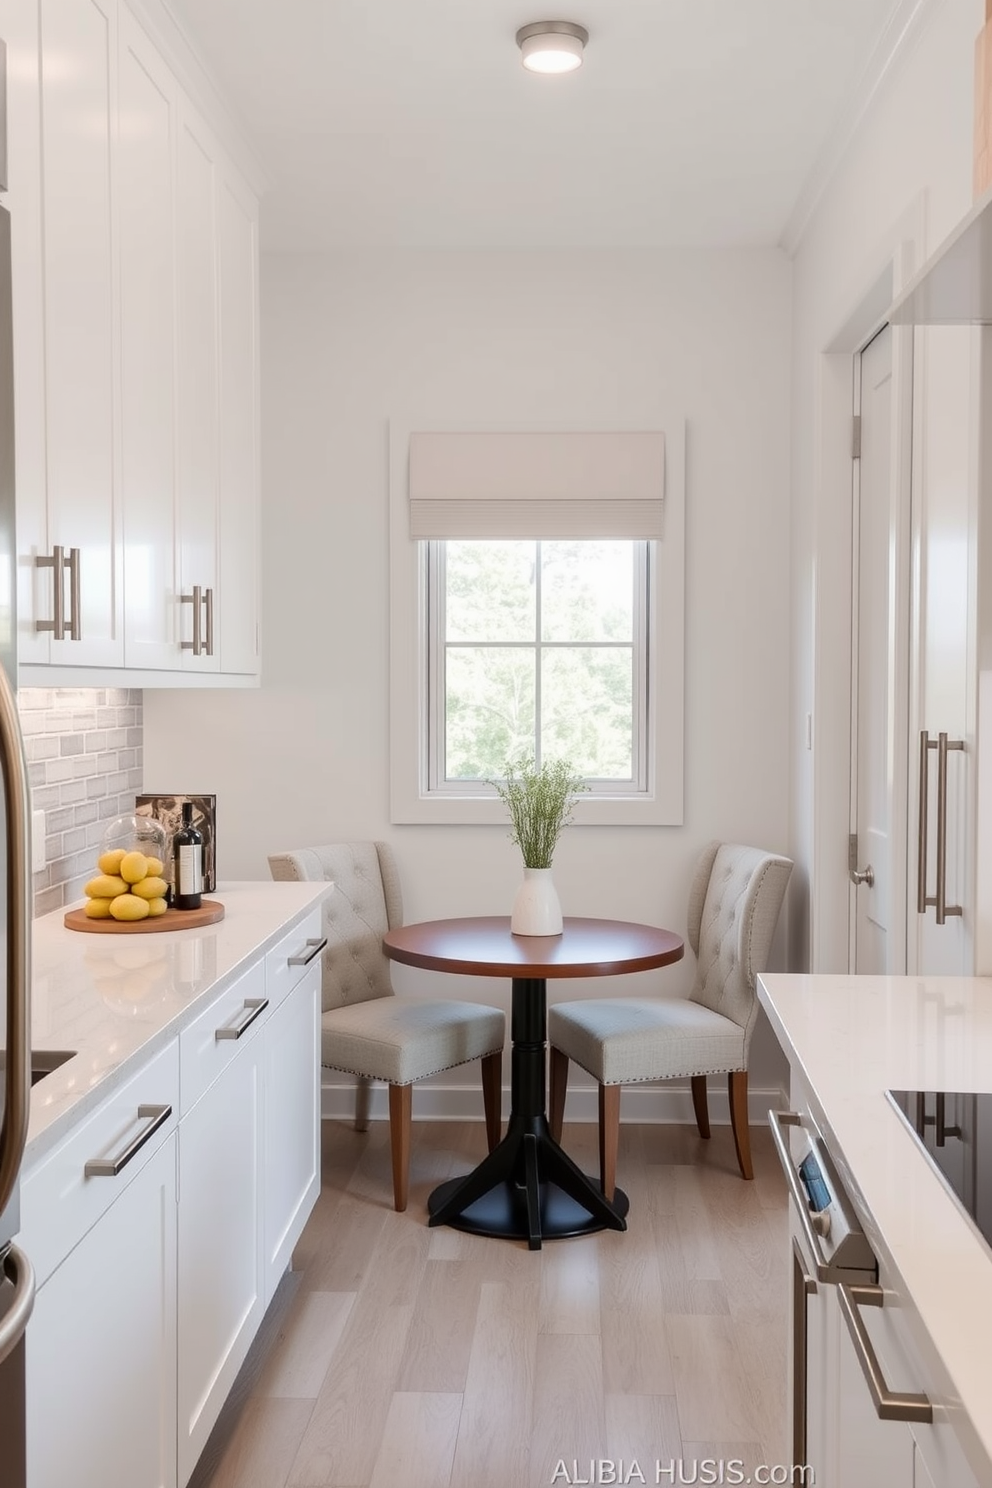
<point>169,811</point>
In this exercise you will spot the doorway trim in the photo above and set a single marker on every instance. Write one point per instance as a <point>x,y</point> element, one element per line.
<point>830,895</point>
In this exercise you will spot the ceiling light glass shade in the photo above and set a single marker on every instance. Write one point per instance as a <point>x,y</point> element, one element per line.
<point>552,46</point>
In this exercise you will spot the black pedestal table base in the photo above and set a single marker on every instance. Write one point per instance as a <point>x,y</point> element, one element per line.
<point>527,1188</point>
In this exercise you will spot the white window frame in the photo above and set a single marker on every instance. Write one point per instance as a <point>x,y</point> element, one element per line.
<point>660,801</point>
<point>642,587</point>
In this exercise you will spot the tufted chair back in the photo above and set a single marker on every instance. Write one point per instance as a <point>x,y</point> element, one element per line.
<point>734,900</point>
<point>365,904</point>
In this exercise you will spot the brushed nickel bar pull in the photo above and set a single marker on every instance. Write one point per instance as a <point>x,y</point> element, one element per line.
<point>943,908</point>
<point>17,813</point>
<point>196,644</point>
<point>19,1270</point>
<point>74,603</point>
<point>890,1405</point>
<point>254,1008</point>
<point>303,958</point>
<point>921,868</point>
<point>208,600</point>
<point>57,564</point>
<point>803,1286</point>
<point>109,1167</point>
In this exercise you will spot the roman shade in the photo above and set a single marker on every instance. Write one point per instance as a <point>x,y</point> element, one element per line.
<point>520,485</point>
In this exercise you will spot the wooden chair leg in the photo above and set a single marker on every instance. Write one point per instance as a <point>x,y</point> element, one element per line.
<point>737,1091</point>
<point>363,1099</point>
<point>609,1137</point>
<point>698,1083</point>
<point>400,1117</point>
<point>492,1095</point>
<point>558,1085</point>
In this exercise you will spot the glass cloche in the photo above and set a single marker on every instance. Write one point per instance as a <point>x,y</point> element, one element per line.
<point>138,834</point>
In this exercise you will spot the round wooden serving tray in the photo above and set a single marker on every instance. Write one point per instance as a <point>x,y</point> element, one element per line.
<point>209,912</point>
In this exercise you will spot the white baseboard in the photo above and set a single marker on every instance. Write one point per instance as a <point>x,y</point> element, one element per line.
<point>664,1102</point>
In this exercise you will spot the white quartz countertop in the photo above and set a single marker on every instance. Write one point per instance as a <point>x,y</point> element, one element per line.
<point>114,999</point>
<point>851,1039</point>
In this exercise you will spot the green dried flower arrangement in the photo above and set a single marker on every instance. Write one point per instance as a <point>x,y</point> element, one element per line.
<point>539,799</point>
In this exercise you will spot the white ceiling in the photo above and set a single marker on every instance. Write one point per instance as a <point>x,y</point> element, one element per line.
<point>411,123</point>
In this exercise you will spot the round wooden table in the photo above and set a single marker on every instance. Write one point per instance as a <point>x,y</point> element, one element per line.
<point>528,1188</point>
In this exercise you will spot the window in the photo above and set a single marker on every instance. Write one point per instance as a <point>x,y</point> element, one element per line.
<point>548,621</point>
<point>537,647</point>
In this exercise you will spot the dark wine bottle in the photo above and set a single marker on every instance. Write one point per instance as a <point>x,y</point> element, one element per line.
<point>187,863</point>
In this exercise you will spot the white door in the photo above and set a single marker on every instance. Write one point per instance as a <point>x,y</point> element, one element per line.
<point>878,774</point>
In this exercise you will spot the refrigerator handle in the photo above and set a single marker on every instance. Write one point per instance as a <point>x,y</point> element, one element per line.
<point>19,1271</point>
<point>17,1089</point>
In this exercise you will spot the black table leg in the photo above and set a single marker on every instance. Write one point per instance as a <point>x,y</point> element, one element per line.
<point>527,1188</point>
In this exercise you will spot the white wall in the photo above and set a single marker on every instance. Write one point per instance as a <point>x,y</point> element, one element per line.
<point>350,341</point>
<point>910,163</point>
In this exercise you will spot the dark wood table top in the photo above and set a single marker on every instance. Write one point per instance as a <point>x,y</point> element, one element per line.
<point>484,946</point>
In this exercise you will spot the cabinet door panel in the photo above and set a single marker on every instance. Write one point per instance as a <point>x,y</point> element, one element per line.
<point>78,147</point>
<point>101,1348</point>
<point>238,599</point>
<point>292,1117</point>
<point>199,452</point>
<point>220,1300</point>
<point>147,112</point>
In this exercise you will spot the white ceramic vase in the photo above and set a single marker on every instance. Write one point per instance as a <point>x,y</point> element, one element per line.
<point>536,910</point>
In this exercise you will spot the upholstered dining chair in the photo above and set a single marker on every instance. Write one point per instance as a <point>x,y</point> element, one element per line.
<point>366,1029</point>
<point>734,900</point>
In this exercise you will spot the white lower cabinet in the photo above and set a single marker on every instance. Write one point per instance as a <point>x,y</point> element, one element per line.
<point>153,1281</point>
<point>101,1351</point>
<point>101,1342</point>
<point>220,1297</point>
<point>291,1149</point>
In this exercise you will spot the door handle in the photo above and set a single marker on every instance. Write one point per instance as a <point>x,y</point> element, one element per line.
<point>938,900</point>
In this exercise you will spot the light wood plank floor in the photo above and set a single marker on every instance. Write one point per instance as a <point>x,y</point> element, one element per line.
<point>395,1354</point>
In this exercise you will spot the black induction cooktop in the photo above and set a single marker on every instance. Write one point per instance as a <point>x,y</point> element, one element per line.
<point>954,1129</point>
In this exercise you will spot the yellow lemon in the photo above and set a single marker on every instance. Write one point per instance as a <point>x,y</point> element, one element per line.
<point>157,906</point>
<point>150,888</point>
<point>97,909</point>
<point>133,867</point>
<point>110,862</point>
<point>107,886</point>
<point>155,866</point>
<point>129,907</point>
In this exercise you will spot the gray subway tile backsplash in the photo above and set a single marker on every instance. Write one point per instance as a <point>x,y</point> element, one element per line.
<point>84,750</point>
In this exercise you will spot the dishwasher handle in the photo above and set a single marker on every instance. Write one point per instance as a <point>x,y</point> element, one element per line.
<point>890,1405</point>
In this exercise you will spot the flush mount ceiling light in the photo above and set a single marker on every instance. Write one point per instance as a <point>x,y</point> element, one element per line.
<point>552,46</point>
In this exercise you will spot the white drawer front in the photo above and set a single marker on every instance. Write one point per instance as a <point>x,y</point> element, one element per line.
<point>289,961</point>
<point>60,1201</point>
<point>209,1044</point>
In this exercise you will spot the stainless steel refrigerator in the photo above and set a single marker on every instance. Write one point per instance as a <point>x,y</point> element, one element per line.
<point>16,1276</point>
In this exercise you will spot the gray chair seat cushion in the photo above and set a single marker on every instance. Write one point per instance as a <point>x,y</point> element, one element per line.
<point>404,1039</point>
<point>623,1040</point>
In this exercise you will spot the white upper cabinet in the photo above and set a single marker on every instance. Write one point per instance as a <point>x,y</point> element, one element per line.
<point>69,513</point>
<point>146,153</point>
<point>136,361</point>
<point>239,459</point>
<point>198,173</point>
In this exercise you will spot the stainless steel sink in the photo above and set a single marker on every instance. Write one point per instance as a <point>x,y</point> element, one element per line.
<point>43,1061</point>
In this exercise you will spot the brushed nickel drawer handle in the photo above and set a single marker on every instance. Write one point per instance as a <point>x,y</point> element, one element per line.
<point>208,604</point>
<point>303,958</point>
<point>254,1008</point>
<point>938,900</point>
<point>109,1167</point>
<point>890,1405</point>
